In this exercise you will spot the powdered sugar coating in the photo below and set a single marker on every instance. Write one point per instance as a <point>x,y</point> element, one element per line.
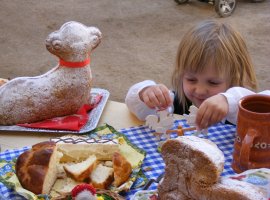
<point>62,90</point>
<point>210,149</point>
<point>192,171</point>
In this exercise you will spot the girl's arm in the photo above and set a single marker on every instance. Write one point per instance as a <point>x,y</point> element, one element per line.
<point>134,103</point>
<point>233,95</point>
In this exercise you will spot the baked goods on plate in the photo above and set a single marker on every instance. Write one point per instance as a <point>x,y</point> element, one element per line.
<point>59,92</point>
<point>193,168</point>
<point>36,168</point>
<point>59,170</point>
<point>93,117</point>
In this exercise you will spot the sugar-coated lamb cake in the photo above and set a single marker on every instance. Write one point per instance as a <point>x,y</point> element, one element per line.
<point>62,90</point>
<point>192,172</point>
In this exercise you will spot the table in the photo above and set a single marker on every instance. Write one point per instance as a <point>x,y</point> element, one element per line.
<point>115,113</point>
<point>153,165</point>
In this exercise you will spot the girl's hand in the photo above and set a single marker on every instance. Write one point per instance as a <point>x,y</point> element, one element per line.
<point>211,111</point>
<point>156,96</point>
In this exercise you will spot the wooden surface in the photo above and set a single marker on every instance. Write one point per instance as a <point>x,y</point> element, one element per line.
<point>115,114</point>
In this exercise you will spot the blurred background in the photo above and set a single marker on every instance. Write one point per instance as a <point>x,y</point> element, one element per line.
<point>140,37</point>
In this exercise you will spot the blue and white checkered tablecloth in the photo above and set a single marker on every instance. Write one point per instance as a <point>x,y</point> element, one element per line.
<point>6,193</point>
<point>153,165</point>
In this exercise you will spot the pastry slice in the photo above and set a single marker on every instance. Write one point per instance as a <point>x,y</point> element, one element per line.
<point>81,171</point>
<point>122,169</point>
<point>102,177</point>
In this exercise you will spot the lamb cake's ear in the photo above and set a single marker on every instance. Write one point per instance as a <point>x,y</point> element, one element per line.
<point>67,23</point>
<point>54,43</point>
<point>94,37</point>
<point>57,44</point>
<point>94,31</point>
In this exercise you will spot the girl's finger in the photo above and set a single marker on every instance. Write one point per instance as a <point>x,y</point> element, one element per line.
<point>147,101</point>
<point>153,99</point>
<point>214,118</point>
<point>203,117</point>
<point>199,116</point>
<point>167,95</point>
<point>160,97</point>
<point>205,120</point>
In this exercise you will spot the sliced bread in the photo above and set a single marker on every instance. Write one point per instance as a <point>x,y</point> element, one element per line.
<point>102,177</point>
<point>122,169</point>
<point>81,171</point>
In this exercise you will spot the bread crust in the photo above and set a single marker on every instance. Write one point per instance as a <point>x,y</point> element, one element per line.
<point>32,166</point>
<point>122,169</point>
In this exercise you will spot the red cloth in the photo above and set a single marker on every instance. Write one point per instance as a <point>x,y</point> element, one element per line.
<point>70,122</point>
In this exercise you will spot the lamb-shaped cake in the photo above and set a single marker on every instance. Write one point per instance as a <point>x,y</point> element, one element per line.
<point>62,90</point>
<point>192,172</point>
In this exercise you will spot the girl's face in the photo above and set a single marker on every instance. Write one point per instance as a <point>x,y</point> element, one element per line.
<point>202,85</point>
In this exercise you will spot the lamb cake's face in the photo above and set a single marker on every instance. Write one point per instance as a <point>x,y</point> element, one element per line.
<point>73,38</point>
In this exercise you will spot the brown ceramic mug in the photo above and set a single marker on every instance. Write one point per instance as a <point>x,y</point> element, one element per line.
<point>252,142</point>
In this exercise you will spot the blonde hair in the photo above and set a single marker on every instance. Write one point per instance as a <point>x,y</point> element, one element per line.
<point>222,46</point>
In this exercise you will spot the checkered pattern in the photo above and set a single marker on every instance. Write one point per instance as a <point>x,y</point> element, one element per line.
<point>220,134</point>
<point>153,165</point>
<point>6,193</point>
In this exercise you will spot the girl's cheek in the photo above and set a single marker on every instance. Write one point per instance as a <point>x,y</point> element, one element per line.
<point>187,89</point>
<point>220,89</point>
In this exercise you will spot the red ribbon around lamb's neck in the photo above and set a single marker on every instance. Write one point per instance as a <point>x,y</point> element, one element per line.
<point>74,64</point>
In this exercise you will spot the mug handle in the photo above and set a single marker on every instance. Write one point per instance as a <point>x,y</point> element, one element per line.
<point>246,146</point>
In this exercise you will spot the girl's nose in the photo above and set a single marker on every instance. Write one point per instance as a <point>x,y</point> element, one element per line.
<point>200,89</point>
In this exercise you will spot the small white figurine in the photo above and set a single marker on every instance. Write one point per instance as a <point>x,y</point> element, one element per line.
<point>191,120</point>
<point>163,122</point>
<point>160,123</point>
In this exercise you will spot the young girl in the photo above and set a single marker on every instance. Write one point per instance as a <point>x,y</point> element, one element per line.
<point>212,57</point>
